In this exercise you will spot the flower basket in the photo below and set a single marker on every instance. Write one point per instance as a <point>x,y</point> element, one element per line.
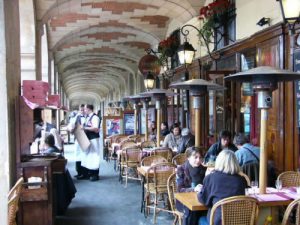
<point>167,48</point>
<point>215,15</point>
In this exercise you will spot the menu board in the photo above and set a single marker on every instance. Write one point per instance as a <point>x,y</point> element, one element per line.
<point>297,84</point>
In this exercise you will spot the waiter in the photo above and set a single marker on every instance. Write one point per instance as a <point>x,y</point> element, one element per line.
<point>76,121</point>
<point>91,157</point>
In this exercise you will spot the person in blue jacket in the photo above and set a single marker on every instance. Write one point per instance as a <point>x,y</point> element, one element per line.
<point>223,182</point>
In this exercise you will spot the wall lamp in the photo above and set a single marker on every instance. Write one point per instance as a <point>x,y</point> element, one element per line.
<point>149,81</point>
<point>149,68</point>
<point>263,21</point>
<point>290,10</point>
<point>188,48</point>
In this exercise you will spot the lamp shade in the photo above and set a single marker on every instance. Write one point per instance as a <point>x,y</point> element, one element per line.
<point>197,86</point>
<point>158,94</point>
<point>290,9</point>
<point>149,81</point>
<point>186,53</point>
<point>264,75</point>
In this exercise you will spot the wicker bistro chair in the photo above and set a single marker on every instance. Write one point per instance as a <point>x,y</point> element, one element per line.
<point>236,210</point>
<point>246,177</point>
<point>153,159</point>
<point>148,144</point>
<point>293,208</point>
<point>133,157</point>
<point>156,185</point>
<point>13,201</point>
<point>179,159</point>
<point>172,189</point>
<point>120,153</point>
<point>289,179</point>
<point>164,152</point>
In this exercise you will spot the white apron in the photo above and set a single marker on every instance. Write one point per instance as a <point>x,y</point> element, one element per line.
<point>91,157</point>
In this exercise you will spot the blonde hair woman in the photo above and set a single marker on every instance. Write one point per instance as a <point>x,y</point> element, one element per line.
<point>224,182</point>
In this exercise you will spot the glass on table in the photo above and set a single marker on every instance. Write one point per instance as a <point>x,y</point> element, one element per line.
<point>254,186</point>
<point>278,185</point>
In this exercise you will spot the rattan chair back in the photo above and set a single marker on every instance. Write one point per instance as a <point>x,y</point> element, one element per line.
<point>133,157</point>
<point>164,152</point>
<point>179,159</point>
<point>293,208</point>
<point>13,201</point>
<point>127,144</point>
<point>153,159</point>
<point>289,179</point>
<point>172,189</point>
<point>120,139</point>
<point>148,144</point>
<point>159,178</point>
<point>236,210</point>
<point>246,178</point>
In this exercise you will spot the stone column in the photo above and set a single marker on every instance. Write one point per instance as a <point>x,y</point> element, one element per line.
<point>10,89</point>
<point>38,51</point>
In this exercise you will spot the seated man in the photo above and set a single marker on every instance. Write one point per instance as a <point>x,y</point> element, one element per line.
<point>224,142</point>
<point>49,145</point>
<point>187,140</point>
<point>246,153</point>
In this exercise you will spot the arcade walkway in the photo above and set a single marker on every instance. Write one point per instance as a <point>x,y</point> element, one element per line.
<point>106,202</point>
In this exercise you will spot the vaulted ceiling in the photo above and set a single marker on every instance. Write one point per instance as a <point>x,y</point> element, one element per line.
<point>97,44</point>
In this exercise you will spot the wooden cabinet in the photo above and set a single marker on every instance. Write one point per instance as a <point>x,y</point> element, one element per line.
<point>37,201</point>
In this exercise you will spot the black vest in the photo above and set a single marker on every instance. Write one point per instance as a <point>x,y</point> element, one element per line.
<point>91,134</point>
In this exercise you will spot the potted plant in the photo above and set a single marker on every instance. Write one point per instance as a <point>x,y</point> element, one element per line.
<point>167,48</point>
<point>215,15</point>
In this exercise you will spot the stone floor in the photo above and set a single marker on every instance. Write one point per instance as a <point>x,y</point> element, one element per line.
<point>106,202</point>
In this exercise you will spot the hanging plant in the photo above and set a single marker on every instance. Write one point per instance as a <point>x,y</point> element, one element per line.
<point>215,15</point>
<point>167,48</point>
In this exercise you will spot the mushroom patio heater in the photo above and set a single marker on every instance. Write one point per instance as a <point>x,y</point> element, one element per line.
<point>135,99</point>
<point>264,80</point>
<point>158,95</point>
<point>197,88</point>
<point>145,101</point>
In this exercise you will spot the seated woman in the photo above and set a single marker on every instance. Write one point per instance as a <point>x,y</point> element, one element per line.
<point>189,177</point>
<point>191,174</point>
<point>224,182</point>
<point>173,139</point>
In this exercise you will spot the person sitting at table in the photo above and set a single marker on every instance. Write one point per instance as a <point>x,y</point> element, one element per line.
<point>189,177</point>
<point>246,153</point>
<point>223,143</point>
<point>152,131</point>
<point>164,129</point>
<point>173,139</point>
<point>49,145</point>
<point>188,140</point>
<point>224,182</point>
<point>192,172</point>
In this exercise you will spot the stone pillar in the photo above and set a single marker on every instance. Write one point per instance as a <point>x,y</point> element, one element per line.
<point>10,89</point>
<point>38,51</point>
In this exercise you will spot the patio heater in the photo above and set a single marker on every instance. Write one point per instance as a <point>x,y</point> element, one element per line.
<point>197,88</point>
<point>264,80</point>
<point>158,95</point>
<point>145,101</point>
<point>135,99</point>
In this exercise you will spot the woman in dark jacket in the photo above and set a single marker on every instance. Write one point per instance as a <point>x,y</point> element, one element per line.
<point>224,182</point>
<point>224,142</point>
<point>190,177</point>
<point>192,172</point>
